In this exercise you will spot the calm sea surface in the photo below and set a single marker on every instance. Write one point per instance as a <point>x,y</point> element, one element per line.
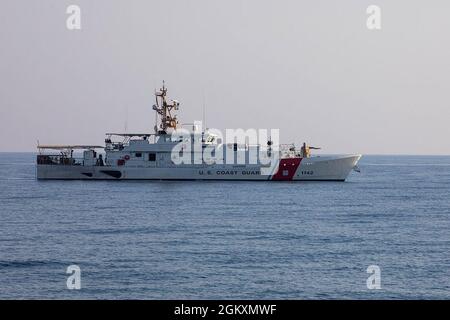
<point>239,240</point>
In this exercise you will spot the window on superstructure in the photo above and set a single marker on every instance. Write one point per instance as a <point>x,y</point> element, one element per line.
<point>152,157</point>
<point>138,154</point>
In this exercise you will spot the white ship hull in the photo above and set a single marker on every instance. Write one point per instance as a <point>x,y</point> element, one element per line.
<point>318,168</point>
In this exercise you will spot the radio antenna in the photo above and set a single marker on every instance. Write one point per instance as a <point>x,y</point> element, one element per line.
<point>126,119</point>
<point>204,111</point>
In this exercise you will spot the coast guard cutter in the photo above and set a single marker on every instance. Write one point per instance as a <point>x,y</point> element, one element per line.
<point>156,156</point>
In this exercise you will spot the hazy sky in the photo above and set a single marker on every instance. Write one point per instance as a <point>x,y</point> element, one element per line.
<point>310,68</point>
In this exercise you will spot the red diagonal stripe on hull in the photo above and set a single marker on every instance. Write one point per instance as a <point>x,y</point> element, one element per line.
<point>287,169</point>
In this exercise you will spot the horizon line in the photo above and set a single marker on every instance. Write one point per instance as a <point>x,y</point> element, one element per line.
<point>363,154</point>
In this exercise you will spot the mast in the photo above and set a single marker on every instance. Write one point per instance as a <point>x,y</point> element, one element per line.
<point>164,108</point>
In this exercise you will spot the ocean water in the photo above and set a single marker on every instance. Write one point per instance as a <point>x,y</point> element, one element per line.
<point>228,240</point>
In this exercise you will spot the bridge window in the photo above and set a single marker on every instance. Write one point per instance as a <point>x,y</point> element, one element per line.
<point>138,154</point>
<point>152,157</point>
